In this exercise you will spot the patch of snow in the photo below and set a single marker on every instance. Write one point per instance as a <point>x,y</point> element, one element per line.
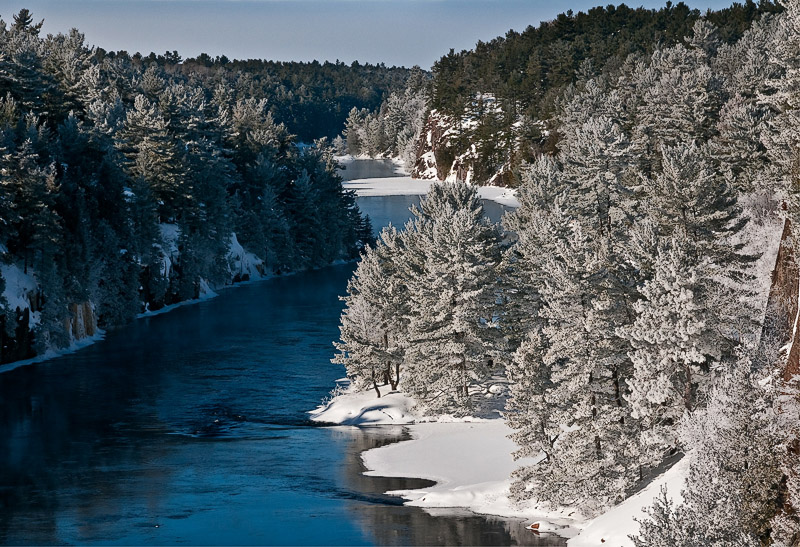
<point>615,525</point>
<point>169,236</point>
<point>169,251</point>
<point>365,408</point>
<point>406,186</point>
<point>503,196</point>
<point>19,286</point>
<point>51,354</point>
<point>244,262</point>
<point>206,292</point>
<point>428,159</point>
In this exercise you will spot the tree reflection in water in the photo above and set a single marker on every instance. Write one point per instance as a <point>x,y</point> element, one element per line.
<point>403,525</point>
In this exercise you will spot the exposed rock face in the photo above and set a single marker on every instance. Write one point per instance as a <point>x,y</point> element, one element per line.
<point>82,322</point>
<point>446,151</point>
<point>433,149</point>
<point>782,303</point>
<point>783,326</point>
<point>481,147</point>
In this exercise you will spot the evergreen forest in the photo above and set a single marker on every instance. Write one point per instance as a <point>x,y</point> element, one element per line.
<point>130,183</point>
<point>632,301</point>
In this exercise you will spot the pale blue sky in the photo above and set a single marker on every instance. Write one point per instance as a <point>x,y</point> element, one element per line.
<point>396,32</point>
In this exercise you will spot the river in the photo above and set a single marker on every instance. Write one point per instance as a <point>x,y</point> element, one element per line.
<point>190,427</point>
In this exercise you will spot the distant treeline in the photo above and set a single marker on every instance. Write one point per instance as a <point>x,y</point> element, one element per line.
<point>312,99</point>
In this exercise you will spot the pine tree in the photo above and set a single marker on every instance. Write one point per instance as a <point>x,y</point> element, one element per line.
<point>675,345</point>
<point>151,155</point>
<point>733,473</point>
<point>450,271</point>
<point>373,328</point>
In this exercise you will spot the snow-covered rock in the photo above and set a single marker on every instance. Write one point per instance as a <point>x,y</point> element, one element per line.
<point>365,408</point>
<point>244,265</point>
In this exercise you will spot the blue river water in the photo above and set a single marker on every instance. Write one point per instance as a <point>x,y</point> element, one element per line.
<point>191,428</point>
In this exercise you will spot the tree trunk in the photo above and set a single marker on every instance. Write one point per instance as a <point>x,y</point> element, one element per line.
<point>375,384</point>
<point>687,389</point>
<point>396,380</point>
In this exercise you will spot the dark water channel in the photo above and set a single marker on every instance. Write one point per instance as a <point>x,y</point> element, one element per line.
<point>190,428</point>
<point>369,169</point>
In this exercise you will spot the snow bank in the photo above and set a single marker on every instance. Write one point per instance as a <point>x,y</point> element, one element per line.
<point>406,186</point>
<point>365,408</point>
<point>470,461</point>
<point>469,458</point>
<point>614,526</point>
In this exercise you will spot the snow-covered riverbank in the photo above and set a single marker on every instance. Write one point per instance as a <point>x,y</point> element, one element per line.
<point>468,458</point>
<point>470,461</point>
<point>406,186</point>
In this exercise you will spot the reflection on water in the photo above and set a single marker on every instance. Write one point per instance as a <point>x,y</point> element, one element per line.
<point>190,428</point>
<point>385,209</point>
<point>370,169</point>
<point>401,525</point>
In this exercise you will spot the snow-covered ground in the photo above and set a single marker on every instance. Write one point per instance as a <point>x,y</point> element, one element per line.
<point>365,408</point>
<point>469,458</point>
<point>615,525</point>
<point>406,186</point>
<point>470,461</point>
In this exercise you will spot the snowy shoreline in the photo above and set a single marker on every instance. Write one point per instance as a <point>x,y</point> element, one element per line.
<point>468,458</point>
<point>406,186</point>
<point>82,343</point>
<point>470,461</point>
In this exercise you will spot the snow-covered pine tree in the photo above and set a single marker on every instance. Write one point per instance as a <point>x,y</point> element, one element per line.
<point>151,154</point>
<point>594,160</point>
<point>782,95</point>
<point>361,344</point>
<point>451,275</point>
<point>736,147</point>
<point>538,225</point>
<point>691,195</point>
<point>680,96</point>
<point>373,326</point>
<point>786,522</point>
<point>674,342</point>
<point>592,462</point>
<point>570,228</point>
<point>734,475</point>
<point>692,313</point>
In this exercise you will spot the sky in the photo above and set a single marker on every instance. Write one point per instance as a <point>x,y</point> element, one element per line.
<point>395,32</point>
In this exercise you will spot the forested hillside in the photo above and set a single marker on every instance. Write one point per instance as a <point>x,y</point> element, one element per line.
<point>626,304</point>
<point>127,185</point>
<point>311,99</point>
<point>495,106</point>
